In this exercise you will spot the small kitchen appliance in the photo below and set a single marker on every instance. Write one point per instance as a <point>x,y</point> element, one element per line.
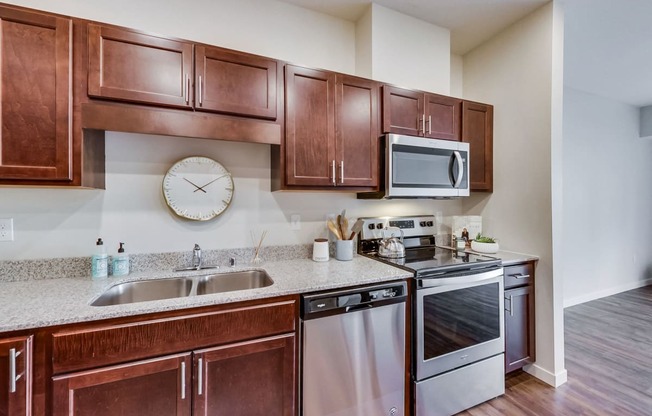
<point>457,317</point>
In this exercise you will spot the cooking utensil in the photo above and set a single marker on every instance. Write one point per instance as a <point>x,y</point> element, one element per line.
<point>344,226</point>
<point>391,247</point>
<point>334,229</point>
<point>357,227</point>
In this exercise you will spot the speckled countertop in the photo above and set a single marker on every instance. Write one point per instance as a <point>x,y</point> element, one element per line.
<point>42,303</point>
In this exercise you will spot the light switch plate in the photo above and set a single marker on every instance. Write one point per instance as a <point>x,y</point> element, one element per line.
<point>6,229</point>
<point>295,222</point>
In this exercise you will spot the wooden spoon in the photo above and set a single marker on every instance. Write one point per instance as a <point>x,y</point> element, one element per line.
<point>334,229</point>
<point>344,226</point>
<point>357,227</point>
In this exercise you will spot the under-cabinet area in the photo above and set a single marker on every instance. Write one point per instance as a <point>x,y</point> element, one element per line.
<point>324,127</point>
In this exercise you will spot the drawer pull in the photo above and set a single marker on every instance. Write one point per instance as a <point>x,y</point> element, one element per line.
<point>519,276</point>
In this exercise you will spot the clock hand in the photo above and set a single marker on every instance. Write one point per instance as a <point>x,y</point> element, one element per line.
<point>201,188</point>
<point>198,188</point>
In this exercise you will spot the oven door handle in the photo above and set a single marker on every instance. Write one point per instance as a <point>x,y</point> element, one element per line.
<point>459,280</point>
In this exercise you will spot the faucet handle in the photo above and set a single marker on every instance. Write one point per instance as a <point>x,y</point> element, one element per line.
<point>197,247</point>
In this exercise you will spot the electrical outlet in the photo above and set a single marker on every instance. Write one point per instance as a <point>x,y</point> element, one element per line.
<point>295,222</point>
<point>6,229</point>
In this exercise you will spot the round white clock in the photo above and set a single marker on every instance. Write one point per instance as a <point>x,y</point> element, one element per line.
<point>198,188</point>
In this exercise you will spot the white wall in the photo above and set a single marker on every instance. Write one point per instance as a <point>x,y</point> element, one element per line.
<point>409,52</point>
<point>457,76</point>
<point>607,198</point>
<point>65,222</point>
<point>514,72</point>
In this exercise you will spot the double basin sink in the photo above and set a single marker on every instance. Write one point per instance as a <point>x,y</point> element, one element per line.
<point>179,287</point>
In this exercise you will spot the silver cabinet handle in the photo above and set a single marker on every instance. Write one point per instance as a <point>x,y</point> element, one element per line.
<point>200,376</point>
<point>333,168</point>
<point>423,124</point>
<point>519,276</point>
<point>418,122</point>
<point>429,124</point>
<point>186,87</point>
<point>12,370</point>
<point>199,91</point>
<point>342,172</point>
<point>511,309</point>
<point>183,380</point>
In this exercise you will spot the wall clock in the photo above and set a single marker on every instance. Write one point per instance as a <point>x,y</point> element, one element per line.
<point>198,188</point>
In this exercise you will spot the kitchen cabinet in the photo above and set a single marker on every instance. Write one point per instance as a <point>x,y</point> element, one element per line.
<point>331,130</point>
<point>16,376</point>
<point>477,130</point>
<point>519,316</point>
<point>211,361</point>
<point>130,66</point>
<point>419,113</point>
<point>160,386</point>
<point>36,142</point>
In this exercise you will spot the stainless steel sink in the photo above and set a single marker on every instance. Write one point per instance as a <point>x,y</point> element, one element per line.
<point>229,282</point>
<point>143,290</point>
<point>179,287</point>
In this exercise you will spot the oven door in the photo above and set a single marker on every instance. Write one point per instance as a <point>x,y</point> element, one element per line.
<point>427,168</point>
<point>459,320</point>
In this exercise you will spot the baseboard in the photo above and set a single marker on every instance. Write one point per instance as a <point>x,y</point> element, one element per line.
<point>555,380</point>
<point>606,292</point>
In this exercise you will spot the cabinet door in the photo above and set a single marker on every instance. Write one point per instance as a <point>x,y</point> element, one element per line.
<point>16,376</point>
<point>160,386</point>
<point>403,111</point>
<point>131,66</point>
<point>254,378</point>
<point>309,127</point>
<point>519,328</point>
<point>478,131</point>
<point>35,71</point>
<point>443,117</point>
<point>235,83</point>
<point>356,127</point>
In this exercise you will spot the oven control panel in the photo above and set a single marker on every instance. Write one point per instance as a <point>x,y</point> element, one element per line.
<point>421,225</point>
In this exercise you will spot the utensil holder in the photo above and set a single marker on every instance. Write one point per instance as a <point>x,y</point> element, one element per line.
<point>344,250</point>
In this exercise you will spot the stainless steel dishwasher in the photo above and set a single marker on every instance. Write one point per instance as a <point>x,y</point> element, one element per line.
<point>353,351</point>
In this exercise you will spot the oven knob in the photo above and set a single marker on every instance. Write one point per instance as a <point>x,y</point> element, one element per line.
<point>422,223</point>
<point>429,224</point>
<point>372,226</point>
<point>379,226</point>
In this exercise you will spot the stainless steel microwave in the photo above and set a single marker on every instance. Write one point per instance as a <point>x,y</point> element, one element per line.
<point>416,167</point>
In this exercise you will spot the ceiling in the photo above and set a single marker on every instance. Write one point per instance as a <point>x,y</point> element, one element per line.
<point>471,22</point>
<point>608,49</point>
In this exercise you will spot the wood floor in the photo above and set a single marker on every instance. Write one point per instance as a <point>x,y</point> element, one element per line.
<point>608,359</point>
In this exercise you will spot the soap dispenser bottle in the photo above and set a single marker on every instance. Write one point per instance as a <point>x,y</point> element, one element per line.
<point>121,262</point>
<point>99,261</point>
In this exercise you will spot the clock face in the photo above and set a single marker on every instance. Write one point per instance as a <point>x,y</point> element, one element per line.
<point>198,188</point>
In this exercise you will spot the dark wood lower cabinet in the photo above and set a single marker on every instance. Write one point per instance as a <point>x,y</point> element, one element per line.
<point>253,378</point>
<point>519,318</point>
<point>160,386</point>
<point>16,376</point>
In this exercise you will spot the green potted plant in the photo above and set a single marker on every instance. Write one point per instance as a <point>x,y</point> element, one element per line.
<point>484,244</point>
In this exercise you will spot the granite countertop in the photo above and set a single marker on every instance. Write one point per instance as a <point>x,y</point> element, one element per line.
<point>42,303</point>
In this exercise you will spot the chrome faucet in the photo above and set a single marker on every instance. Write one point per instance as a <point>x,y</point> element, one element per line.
<point>196,257</point>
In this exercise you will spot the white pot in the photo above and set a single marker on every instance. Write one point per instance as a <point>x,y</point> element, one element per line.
<point>484,247</point>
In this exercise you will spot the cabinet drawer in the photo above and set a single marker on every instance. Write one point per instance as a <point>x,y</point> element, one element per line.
<point>111,344</point>
<point>519,275</point>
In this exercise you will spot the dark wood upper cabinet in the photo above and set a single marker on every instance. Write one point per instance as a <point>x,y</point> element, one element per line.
<point>418,113</point>
<point>160,386</point>
<point>477,130</point>
<point>36,96</point>
<point>131,66</point>
<point>402,111</point>
<point>309,127</point>
<point>443,116</point>
<point>235,83</point>
<point>356,131</point>
<point>253,378</point>
<point>16,376</point>
<point>519,316</point>
<point>331,130</point>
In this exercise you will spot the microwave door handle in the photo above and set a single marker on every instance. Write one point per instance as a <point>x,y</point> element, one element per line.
<point>460,169</point>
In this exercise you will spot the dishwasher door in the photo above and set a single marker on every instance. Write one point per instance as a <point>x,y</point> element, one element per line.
<point>354,360</point>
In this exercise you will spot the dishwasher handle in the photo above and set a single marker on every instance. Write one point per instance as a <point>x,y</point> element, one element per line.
<point>358,307</point>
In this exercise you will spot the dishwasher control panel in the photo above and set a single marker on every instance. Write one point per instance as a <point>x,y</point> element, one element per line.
<point>349,300</point>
